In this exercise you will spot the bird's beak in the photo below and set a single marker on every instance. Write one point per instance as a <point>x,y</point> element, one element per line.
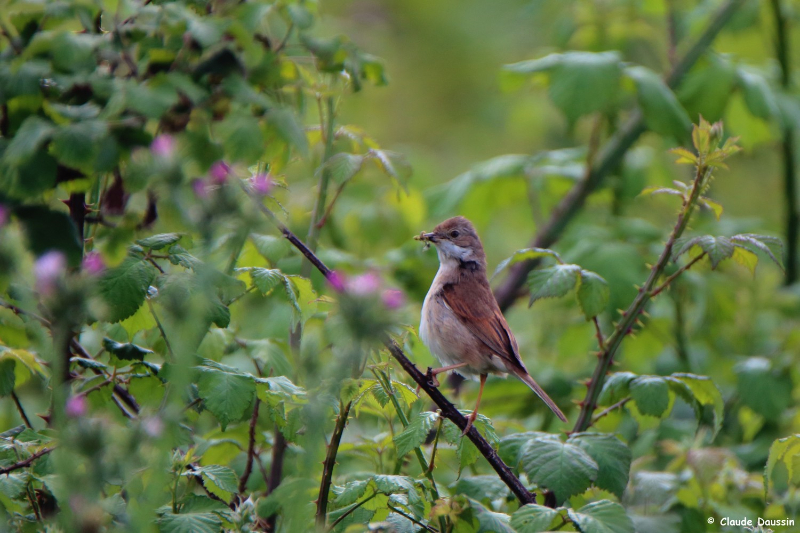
<point>427,237</point>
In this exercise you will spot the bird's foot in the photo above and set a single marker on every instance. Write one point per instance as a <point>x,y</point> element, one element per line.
<point>432,380</point>
<point>470,420</point>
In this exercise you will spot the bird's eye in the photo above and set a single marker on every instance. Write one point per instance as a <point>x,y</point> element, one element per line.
<point>454,234</point>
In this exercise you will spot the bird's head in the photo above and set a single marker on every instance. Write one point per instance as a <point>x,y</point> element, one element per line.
<point>456,241</point>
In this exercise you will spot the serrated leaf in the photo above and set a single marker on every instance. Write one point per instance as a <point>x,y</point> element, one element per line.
<point>226,395</point>
<point>603,516</point>
<point>717,248</point>
<point>700,391</point>
<point>157,242</point>
<point>490,521</point>
<point>745,257</point>
<point>533,518</point>
<point>124,288</point>
<point>278,388</point>
<point>711,204</point>
<point>660,190</point>
<point>88,363</point>
<point>662,111</point>
<point>561,467</point>
<point>593,294</point>
<point>126,351</point>
<point>78,145</point>
<point>415,433</point>
<point>266,279</point>
<point>487,487</point>
<point>552,282</point>
<point>786,451</point>
<point>221,481</point>
<point>203,522</point>
<point>342,167</point>
<point>7,376</point>
<point>651,394</point>
<point>616,388</point>
<point>271,247</point>
<point>612,456</point>
<point>525,254</point>
<point>685,157</point>
<point>759,243</point>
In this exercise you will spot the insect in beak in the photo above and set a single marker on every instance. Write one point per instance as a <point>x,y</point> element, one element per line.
<point>427,238</point>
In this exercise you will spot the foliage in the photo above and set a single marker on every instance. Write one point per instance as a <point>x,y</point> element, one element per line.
<point>171,171</point>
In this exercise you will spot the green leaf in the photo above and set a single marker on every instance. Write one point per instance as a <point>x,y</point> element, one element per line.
<point>266,279</point>
<point>126,352</point>
<point>759,243</point>
<point>593,294</point>
<point>758,95</point>
<point>533,518</point>
<point>552,282</point>
<point>271,247</point>
<point>489,521</point>
<point>50,230</point>
<point>241,137</point>
<point>612,456</point>
<point>415,433</point>
<point>202,522</point>
<point>616,388</point>
<point>7,376</point>
<point>78,145</point>
<point>661,190</point>
<point>603,516</point>
<point>765,390</point>
<point>277,389</point>
<point>717,248</point>
<point>221,481</point>
<point>88,363</point>
<point>786,451</point>
<point>700,391</point>
<point>487,487</point>
<point>31,135</point>
<point>662,112</point>
<point>157,242</point>
<point>288,127</point>
<point>526,254</point>
<point>124,288</point>
<point>226,395</point>
<point>712,205</point>
<point>342,167</point>
<point>561,467</point>
<point>651,394</point>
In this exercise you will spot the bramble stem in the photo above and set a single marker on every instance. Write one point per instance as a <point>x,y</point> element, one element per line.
<point>330,462</point>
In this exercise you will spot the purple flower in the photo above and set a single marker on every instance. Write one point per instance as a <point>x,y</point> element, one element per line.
<point>3,215</point>
<point>76,406</point>
<point>163,146</point>
<point>93,263</point>
<point>199,188</point>
<point>153,426</point>
<point>219,172</point>
<point>364,284</point>
<point>336,281</point>
<point>393,298</point>
<point>47,270</point>
<point>262,184</point>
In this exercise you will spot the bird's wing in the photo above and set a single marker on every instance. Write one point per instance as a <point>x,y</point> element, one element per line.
<point>475,306</point>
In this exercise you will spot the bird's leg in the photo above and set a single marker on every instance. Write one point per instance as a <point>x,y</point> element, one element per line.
<point>432,372</point>
<point>474,414</point>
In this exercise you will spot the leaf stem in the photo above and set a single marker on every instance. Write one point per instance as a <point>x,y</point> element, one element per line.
<point>20,409</point>
<point>26,462</point>
<point>251,446</point>
<point>412,519</point>
<point>353,508</point>
<point>655,292</point>
<point>160,327</point>
<point>608,410</point>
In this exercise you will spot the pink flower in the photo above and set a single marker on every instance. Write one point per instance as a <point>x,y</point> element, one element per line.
<point>199,188</point>
<point>393,298</point>
<point>219,172</point>
<point>153,426</point>
<point>76,406</point>
<point>336,281</point>
<point>163,146</point>
<point>364,284</point>
<point>3,215</point>
<point>93,263</point>
<point>261,183</point>
<point>47,270</point>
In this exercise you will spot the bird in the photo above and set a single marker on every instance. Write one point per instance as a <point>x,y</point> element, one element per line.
<point>461,323</point>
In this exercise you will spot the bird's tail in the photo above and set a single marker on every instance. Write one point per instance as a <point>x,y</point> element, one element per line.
<point>528,380</point>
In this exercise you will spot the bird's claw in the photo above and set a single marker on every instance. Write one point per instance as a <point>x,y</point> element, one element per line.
<point>470,420</point>
<point>432,380</point>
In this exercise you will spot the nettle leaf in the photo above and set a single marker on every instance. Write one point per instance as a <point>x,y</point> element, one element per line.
<point>662,112</point>
<point>717,248</point>
<point>123,289</point>
<point>651,394</point>
<point>593,294</point>
<point>415,433</point>
<point>552,282</point>
<point>266,279</point>
<point>612,456</point>
<point>783,451</point>
<point>765,390</point>
<point>157,242</point>
<point>526,254</point>
<point>564,468</point>
<point>760,243</point>
<point>227,395</point>
<point>603,516</point>
<point>533,518</point>
<point>699,391</point>
<point>127,351</point>
<point>221,481</point>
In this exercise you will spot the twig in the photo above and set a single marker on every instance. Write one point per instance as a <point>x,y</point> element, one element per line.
<point>330,462</point>
<point>99,386</point>
<point>782,50</point>
<point>607,159</point>
<point>608,410</point>
<point>599,334</point>
<point>432,462</point>
<point>20,409</point>
<point>655,292</point>
<point>26,462</point>
<point>251,446</point>
<point>448,410</point>
<point>412,519</point>
<point>153,262</point>
<point>282,44</point>
<point>347,513</point>
<point>160,327</point>
<point>631,315</point>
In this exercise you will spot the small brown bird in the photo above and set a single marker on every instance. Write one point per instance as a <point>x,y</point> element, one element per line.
<point>461,324</point>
